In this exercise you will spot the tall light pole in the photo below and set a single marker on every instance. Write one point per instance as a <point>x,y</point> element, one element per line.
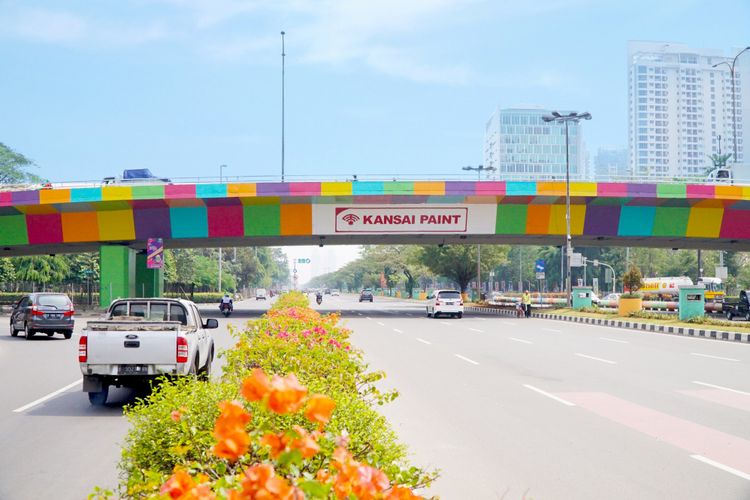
<point>558,118</point>
<point>479,169</point>
<point>283,56</point>
<point>221,179</point>
<point>734,97</point>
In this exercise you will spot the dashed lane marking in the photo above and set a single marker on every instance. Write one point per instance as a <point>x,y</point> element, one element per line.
<point>466,359</point>
<point>596,359</point>
<point>547,394</point>
<point>520,340</point>
<point>713,357</point>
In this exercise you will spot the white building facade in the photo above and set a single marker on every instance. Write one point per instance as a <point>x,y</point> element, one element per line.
<point>520,145</point>
<point>679,106</point>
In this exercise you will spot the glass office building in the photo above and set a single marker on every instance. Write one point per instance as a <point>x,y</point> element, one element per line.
<point>520,145</point>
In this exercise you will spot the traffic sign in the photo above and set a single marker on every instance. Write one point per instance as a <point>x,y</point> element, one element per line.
<point>540,276</point>
<point>539,266</point>
<point>576,260</point>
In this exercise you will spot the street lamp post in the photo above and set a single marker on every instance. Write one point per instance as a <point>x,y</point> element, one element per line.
<point>221,179</point>
<point>479,169</point>
<point>734,97</point>
<point>558,118</point>
<point>283,55</point>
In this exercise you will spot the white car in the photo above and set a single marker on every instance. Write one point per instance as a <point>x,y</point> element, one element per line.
<point>335,292</point>
<point>447,302</point>
<point>260,294</point>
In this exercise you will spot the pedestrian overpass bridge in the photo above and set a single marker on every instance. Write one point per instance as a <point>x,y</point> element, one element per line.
<point>119,219</point>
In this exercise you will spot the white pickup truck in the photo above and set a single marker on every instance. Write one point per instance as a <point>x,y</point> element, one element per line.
<point>141,339</point>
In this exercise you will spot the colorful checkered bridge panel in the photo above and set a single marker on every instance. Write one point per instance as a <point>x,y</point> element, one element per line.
<point>175,211</point>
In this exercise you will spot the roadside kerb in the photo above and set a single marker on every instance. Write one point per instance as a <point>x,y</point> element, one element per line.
<point>622,323</point>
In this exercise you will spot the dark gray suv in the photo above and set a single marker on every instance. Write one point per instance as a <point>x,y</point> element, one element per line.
<point>44,313</point>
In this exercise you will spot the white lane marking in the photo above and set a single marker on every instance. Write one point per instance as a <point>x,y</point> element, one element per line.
<point>48,396</point>
<point>509,323</point>
<point>480,319</point>
<point>466,359</point>
<point>476,330</point>
<point>445,323</point>
<point>614,340</point>
<point>596,359</point>
<point>551,330</point>
<point>424,341</point>
<point>722,388</point>
<point>381,324</point>
<point>397,330</point>
<point>721,466</point>
<point>551,396</point>
<point>367,317</point>
<point>713,357</point>
<point>520,340</point>
<point>360,314</point>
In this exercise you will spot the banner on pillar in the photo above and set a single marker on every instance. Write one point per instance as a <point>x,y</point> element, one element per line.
<point>155,253</point>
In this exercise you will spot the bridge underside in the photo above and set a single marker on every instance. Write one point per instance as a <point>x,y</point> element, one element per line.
<point>405,239</point>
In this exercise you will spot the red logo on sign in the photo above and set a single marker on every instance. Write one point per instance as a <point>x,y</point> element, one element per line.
<point>351,218</point>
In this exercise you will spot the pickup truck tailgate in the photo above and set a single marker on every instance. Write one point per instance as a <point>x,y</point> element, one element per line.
<point>130,342</point>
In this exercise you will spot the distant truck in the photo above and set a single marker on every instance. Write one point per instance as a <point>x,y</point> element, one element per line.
<point>737,307</point>
<point>667,288</point>
<point>136,176</point>
<point>142,339</point>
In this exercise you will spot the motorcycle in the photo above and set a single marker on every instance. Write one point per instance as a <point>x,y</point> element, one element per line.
<point>226,309</point>
<point>319,299</point>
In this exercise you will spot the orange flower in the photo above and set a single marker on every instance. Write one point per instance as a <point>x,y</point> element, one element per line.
<point>275,441</point>
<point>177,485</point>
<point>232,441</point>
<point>304,443</point>
<point>286,394</point>
<point>175,415</point>
<point>256,386</point>
<point>183,487</point>
<point>261,482</point>
<point>369,482</point>
<point>319,408</point>
<point>400,493</point>
<point>323,476</point>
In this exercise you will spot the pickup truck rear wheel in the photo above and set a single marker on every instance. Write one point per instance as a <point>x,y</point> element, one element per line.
<point>99,398</point>
<point>747,316</point>
<point>205,373</point>
<point>729,315</point>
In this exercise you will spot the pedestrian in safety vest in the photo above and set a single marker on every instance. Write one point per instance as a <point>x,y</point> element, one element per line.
<point>526,301</point>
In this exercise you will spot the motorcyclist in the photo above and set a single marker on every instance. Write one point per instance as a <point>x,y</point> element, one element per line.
<point>226,301</point>
<point>319,296</point>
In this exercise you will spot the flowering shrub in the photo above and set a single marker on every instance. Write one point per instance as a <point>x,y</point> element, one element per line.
<point>317,472</point>
<point>308,431</point>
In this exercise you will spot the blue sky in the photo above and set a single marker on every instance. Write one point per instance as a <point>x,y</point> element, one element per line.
<point>393,87</point>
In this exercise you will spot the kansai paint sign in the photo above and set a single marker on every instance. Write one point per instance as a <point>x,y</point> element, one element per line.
<point>401,219</point>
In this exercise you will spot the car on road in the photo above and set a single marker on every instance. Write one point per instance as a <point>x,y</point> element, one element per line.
<point>365,295</point>
<point>613,297</point>
<point>43,312</point>
<point>335,292</point>
<point>446,302</point>
<point>260,294</point>
<point>141,340</point>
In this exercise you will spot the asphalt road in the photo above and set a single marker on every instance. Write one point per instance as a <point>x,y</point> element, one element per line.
<point>506,408</point>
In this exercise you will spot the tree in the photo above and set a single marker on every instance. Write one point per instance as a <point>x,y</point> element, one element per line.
<point>42,269</point>
<point>633,280</point>
<point>13,167</point>
<point>459,262</point>
<point>7,271</point>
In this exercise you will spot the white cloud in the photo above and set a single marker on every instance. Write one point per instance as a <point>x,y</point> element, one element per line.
<point>57,26</point>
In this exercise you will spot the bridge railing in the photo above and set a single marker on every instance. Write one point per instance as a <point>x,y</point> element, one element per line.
<point>519,177</point>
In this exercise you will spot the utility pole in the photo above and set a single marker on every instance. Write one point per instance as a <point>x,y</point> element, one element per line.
<point>479,170</point>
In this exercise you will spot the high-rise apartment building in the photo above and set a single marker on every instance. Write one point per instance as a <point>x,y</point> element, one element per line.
<point>679,106</point>
<point>611,163</point>
<point>520,145</point>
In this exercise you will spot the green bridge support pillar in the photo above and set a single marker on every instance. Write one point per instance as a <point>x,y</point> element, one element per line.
<point>117,271</point>
<point>148,282</point>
